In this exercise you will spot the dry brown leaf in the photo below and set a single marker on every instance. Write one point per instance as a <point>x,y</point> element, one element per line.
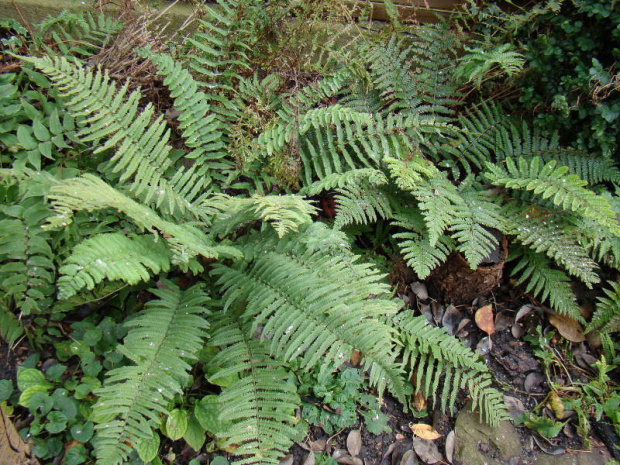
<point>424,431</point>
<point>354,442</point>
<point>356,356</point>
<point>570,329</point>
<point>318,445</point>
<point>427,450</point>
<point>419,401</point>
<point>310,459</point>
<point>484,319</point>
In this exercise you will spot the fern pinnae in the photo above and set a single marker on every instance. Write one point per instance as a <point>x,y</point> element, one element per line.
<point>160,342</point>
<point>606,318</point>
<point>261,403</point>
<point>142,152</point>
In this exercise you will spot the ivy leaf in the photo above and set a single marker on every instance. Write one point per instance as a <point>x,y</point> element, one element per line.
<point>57,422</point>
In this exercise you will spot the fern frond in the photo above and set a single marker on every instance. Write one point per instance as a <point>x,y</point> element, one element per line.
<point>90,193</point>
<point>27,268</point>
<point>261,403</point>
<point>11,329</point>
<point>112,256</point>
<point>78,33</point>
<point>543,282</point>
<point>316,308</point>
<point>408,173</point>
<point>352,177</point>
<point>360,204</point>
<point>415,244</point>
<point>478,62</point>
<point>471,227</point>
<point>200,127</point>
<point>545,232</point>
<point>430,352</point>
<point>142,153</point>
<point>550,181</point>
<point>167,334</point>
<point>286,213</point>
<point>606,318</point>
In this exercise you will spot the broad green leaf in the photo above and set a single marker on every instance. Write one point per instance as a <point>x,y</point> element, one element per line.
<point>148,449</point>
<point>57,422</point>
<point>82,432</point>
<point>25,139</point>
<point>207,412</point>
<point>6,389</point>
<point>40,131</point>
<point>176,424</point>
<point>195,433</point>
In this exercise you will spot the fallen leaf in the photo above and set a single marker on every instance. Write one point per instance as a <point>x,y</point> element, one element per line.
<point>318,445</point>
<point>570,329</point>
<point>450,446</point>
<point>533,380</point>
<point>437,310</point>
<point>389,450</point>
<point>484,319</point>
<point>409,458</point>
<point>354,442</point>
<point>515,406</point>
<point>309,460</point>
<point>427,450</point>
<point>425,431</point>
<point>419,289</point>
<point>339,453</point>
<point>450,319</point>
<point>484,345</point>
<point>502,321</point>
<point>287,460</point>
<point>524,311</point>
<point>517,331</point>
<point>350,460</point>
<point>419,401</point>
<point>356,356</point>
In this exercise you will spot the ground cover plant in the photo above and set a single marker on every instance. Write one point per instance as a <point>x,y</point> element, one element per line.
<point>175,257</point>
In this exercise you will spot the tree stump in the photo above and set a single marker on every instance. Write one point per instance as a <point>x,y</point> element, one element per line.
<point>455,282</point>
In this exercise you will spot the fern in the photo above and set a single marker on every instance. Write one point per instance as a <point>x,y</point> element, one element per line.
<point>416,247</point>
<point>545,232</point>
<point>315,308</point>
<point>433,358</point>
<point>142,152</point>
<point>285,212</point>
<point>90,193</point>
<point>606,318</point>
<point>27,262</point>
<point>11,329</point>
<point>160,343</point>
<point>372,176</point>
<point>542,281</point>
<point>112,256</point>
<point>360,204</point>
<point>552,182</point>
<point>477,63</point>
<point>261,403</point>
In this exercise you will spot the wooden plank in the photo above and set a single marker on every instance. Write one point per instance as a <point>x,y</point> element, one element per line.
<point>13,450</point>
<point>423,11</point>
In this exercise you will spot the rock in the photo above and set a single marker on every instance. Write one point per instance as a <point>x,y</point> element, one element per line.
<point>477,443</point>
<point>598,456</point>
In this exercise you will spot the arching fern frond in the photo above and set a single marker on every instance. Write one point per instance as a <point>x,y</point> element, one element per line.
<point>545,232</point>
<point>261,402</point>
<point>27,268</point>
<point>90,193</point>
<point>409,172</point>
<point>551,286</point>
<point>550,181</point>
<point>200,127</point>
<point>606,318</point>
<point>477,63</point>
<point>315,308</point>
<point>167,334</point>
<point>360,204</point>
<point>112,256</point>
<point>353,177</point>
<point>415,245</point>
<point>286,213</point>
<point>430,352</point>
<point>142,153</point>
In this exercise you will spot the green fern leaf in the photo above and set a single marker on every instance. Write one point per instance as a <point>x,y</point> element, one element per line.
<point>360,204</point>
<point>429,351</point>
<point>142,153</point>
<point>606,318</point>
<point>261,403</point>
<point>543,282</point>
<point>316,308</point>
<point>552,182</point>
<point>160,342</point>
<point>112,256</point>
<point>11,328</point>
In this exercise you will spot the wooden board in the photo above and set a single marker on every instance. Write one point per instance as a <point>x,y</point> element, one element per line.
<point>408,10</point>
<point>13,451</point>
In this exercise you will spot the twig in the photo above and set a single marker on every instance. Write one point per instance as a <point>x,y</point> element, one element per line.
<point>27,24</point>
